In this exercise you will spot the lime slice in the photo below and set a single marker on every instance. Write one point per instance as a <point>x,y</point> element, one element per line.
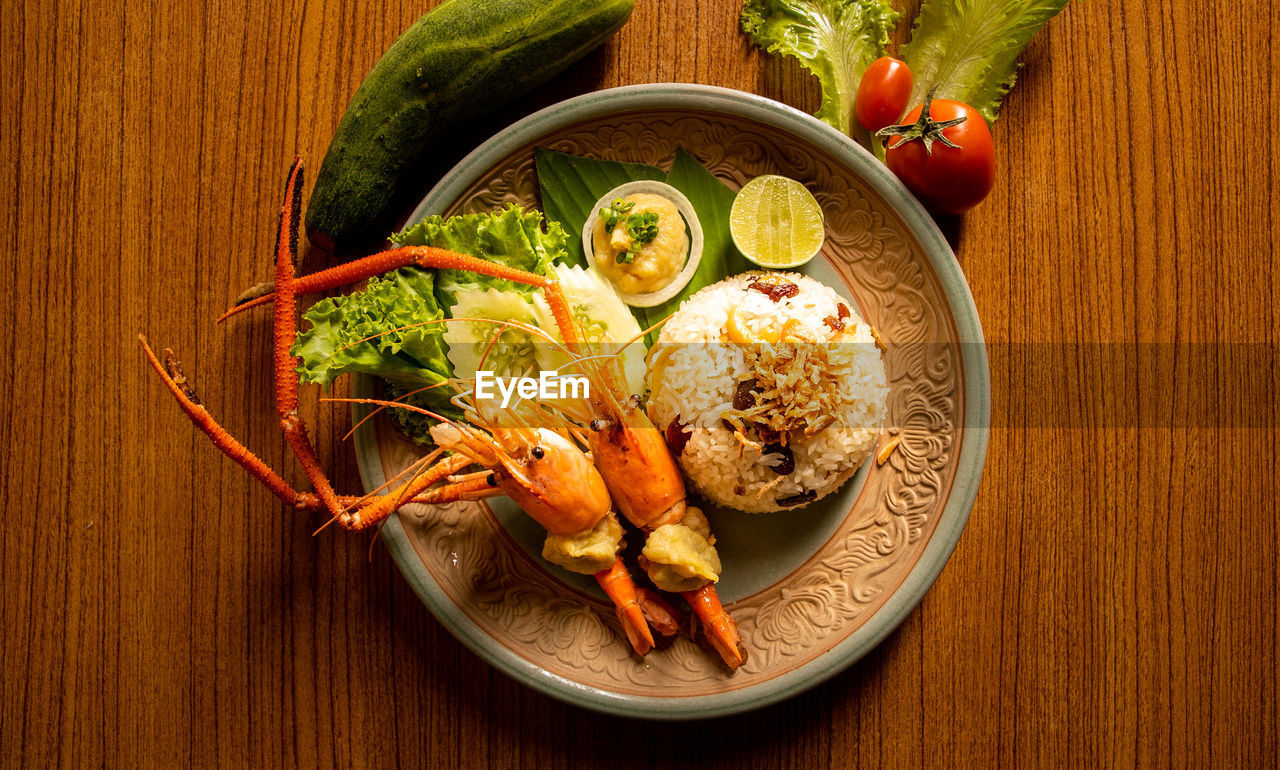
<point>776,222</point>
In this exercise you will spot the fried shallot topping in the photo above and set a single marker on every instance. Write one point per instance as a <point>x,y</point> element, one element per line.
<point>792,391</point>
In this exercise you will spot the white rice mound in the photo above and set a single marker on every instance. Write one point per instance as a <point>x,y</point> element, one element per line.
<point>696,383</point>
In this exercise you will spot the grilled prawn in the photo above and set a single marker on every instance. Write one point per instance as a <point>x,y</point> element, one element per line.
<point>543,472</point>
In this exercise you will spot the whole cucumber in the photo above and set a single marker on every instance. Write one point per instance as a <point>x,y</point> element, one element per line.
<point>458,61</point>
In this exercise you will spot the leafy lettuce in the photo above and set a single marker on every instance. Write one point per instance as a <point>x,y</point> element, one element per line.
<point>416,425</point>
<point>387,330</point>
<point>512,237</point>
<point>968,49</point>
<point>834,39</point>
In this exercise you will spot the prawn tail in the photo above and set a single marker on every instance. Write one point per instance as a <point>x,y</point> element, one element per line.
<point>617,583</point>
<point>721,629</point>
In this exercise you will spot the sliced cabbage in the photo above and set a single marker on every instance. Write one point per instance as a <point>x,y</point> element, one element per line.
<point>602,318</point>
<point>514,352</point>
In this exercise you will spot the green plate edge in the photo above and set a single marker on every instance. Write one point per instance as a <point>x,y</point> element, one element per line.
<point>973,452</point>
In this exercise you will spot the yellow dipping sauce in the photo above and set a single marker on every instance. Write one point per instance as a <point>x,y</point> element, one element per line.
<point>657,262</point>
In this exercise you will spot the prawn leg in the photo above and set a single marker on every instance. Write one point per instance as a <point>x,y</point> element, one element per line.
<point>425,257</point>
<point>415,490</point>
<point>284,329</point>
<point>617,583</point>
<point>171,374</point>
<point>179,386</point>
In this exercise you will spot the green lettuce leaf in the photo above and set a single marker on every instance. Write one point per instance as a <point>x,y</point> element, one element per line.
<point>834,39</point>
<point>968,49</point>
<point>512,237</point>
<point>380,331</point>
<point>570,185</point>
<point>416,425</point>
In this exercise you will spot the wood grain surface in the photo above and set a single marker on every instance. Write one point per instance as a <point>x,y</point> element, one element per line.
<point>1112,601</point>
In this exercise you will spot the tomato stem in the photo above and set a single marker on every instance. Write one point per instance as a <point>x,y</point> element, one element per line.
<point>926,129</point>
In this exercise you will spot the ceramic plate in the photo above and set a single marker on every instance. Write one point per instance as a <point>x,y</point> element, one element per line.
<point>813,590</point>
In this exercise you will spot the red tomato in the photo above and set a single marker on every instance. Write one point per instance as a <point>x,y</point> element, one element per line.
<point>951,180</point>
<point>882,93</point>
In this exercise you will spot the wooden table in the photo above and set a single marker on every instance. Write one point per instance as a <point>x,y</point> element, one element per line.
<point>1112,601</point>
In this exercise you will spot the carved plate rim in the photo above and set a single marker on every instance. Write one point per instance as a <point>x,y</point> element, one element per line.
<point>963,485</point>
